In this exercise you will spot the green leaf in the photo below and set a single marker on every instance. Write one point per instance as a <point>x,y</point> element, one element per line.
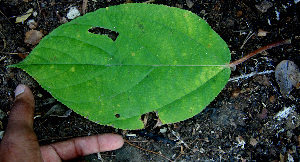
<point>164,59</point>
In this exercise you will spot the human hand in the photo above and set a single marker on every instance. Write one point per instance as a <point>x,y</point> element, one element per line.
<point>20,143</point>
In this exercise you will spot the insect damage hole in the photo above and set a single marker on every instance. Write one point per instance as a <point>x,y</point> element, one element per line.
<point>117,115</point>
<point>102,31</point>
<point>151,120</point>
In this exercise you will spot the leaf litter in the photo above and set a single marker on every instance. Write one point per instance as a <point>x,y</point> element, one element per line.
<point>287,76</point>
<point>33,37</point>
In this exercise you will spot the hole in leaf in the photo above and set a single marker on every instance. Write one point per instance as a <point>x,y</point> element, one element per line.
<point>117,115</point>
<point>150,120</point>
<point>102,31</point>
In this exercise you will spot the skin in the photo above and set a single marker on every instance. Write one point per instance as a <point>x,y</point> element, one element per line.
<point>20,143</point>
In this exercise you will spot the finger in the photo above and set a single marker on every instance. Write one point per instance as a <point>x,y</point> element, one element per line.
<point>82,146</point>
<point>19,140</point>
<point>22,111</point>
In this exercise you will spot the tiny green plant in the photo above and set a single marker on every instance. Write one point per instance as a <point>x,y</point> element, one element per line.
<point>117,63</point>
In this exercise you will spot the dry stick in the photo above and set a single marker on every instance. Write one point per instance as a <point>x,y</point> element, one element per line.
<point>9,53</point>
<point>84,6</point>
<point>5,17</point>
<point>237,62</point>
<point>4,41</point>
<point>188,148</point>
<point>235,79</point>
<point>185,149</point>
<point>151,1</point>
<point>147,150</point>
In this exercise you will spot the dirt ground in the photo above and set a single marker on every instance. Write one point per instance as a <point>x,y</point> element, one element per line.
<point>248,121</point>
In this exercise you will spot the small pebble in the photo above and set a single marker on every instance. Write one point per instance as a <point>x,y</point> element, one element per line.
<point>272,99</point>
<point>21,49</point>
<point>73,13</point>
<point>33,37</point>
<point>32,24</point>
<point>264,6</point>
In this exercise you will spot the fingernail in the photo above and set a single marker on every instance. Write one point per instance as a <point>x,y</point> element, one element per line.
<point>20,89</point>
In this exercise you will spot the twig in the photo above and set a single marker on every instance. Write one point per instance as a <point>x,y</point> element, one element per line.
<point>178,138</point>
<point>11,53</point>
<point>4,41</point>
<point>235,79</point>
<point>5,17</point>
<point>269,46</point>
<point>84,6</point>
<point>247,38</point>
<point>186,149</point>
<point>138,141</point>
<point>2,58</point>
<point>151,1</point>
<point>147,150</point>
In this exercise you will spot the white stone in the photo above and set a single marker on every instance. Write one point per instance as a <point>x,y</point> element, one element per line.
<point>73,13</point>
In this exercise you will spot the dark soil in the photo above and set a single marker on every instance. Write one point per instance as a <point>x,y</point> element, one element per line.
<point>241,124</point>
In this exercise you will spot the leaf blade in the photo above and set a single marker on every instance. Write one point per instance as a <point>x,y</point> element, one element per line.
<point>156,63</point>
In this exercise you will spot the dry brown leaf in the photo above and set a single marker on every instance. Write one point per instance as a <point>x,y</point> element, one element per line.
<point>33,37</point>
<point>253,141</point>
<point>24,17</point>
<point>262,33</point>
<point>189,3</point>
<point>23,55</point>
<point>287,76</point>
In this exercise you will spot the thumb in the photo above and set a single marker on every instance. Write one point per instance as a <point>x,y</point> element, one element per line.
<point>19,140</point>
<point>22,111</point>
